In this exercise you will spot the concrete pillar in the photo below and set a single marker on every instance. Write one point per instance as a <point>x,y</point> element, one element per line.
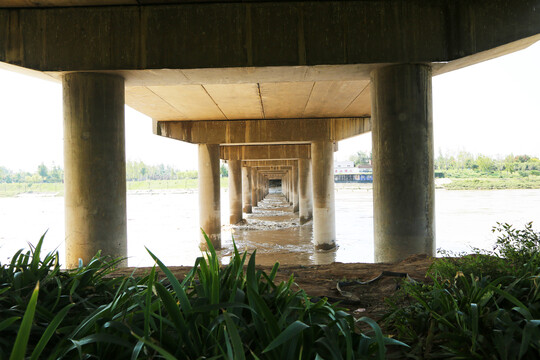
<point>254,198</point>
<point>290,186</point>
<point>296,197</point>
<point>259,188</point>
<point>235,191</point>
<point>95,166</point>
<point>305,190</point>
<point>209,194</point>
<point>246,189</point>
<point>403,185</point>
<point>324,218</point>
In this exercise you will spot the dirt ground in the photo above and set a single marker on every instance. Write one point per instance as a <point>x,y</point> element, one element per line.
<point>322,281</point>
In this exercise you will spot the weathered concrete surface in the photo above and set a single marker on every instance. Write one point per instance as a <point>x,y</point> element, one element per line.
<point>275,164</point>
<point>235,191</point>
<point>266,152</point>
<point>255,34</point>
<point>254,186</point>
<point>305,190</point>
<point>209,194</point>
<point>324,214</point>
<point>296,194</point>
<point>403,185</point>
<point>262,131</point>
<point>246,189</point>
<point>95,166</point>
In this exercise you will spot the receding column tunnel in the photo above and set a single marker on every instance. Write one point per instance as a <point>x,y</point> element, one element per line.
<point>274,186</point>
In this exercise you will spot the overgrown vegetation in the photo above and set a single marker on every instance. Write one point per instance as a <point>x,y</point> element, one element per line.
<point>214,313</point>
<point>469,172</point>
<point>480,306</point>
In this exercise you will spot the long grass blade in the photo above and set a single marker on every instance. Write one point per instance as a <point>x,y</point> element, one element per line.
<point>178,289</point>
<point>381,354</point>
<point>21,341</point>
<point>49,332</point>
<point>235,338</point>
<point>6,323</point>
<point>166,355</point>
<point>292,331</point>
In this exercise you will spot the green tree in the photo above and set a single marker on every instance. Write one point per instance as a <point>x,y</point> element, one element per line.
<point>361,158</point>
<point>485,163</point>
<point>224,170</point>
<point>43,171</point>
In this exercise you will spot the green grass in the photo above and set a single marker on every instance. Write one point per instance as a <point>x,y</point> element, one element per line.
<point>230,312</point>
<point>481,306</point>
<point>14,189</point>
<point>494,183</point>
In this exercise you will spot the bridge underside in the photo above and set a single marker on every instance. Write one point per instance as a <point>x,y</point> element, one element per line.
<point>271,87</point>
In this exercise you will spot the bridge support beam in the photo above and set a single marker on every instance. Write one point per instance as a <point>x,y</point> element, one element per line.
<point>95,166</point>
<point>305,190</point>
<point>246,189</point>
<point>209,194</point>
<point>403,185</point>
<point>324,218</point>
<point>235,191</point>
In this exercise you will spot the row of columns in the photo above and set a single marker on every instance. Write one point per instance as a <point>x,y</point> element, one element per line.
<point>94,152</point>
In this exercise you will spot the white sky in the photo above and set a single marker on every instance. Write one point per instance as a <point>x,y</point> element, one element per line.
<point>491,108</point>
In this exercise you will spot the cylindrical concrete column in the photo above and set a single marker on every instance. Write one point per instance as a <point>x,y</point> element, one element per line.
<point>254,196</point>
<point>305,190</point>
<point>290,186</point>
<point>259,188</point>
<point>209,194</point>
<point>246,189</point>
<point>95,166</point>
<point>296,195</point>
<point>235,191</point>
<point>403,185</point>
<point>324,218</point>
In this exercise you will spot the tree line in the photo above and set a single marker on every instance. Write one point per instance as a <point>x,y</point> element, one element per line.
<point>523,164</point>
<point>43,174</point>
<point>135,171</point>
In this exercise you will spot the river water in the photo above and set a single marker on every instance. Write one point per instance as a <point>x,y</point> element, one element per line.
<point>167,223</point>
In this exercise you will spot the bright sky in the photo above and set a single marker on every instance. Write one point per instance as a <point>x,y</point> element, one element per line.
<point>491,108</point>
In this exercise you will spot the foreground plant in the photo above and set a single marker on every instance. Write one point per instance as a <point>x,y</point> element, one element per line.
<point>467,312</point>
<point>215,312</point>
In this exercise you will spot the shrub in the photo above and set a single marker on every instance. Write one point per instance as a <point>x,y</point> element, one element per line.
<point>214,312</point>
<point>480,306</point>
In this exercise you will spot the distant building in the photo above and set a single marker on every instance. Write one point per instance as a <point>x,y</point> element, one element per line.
<point>345,172</point>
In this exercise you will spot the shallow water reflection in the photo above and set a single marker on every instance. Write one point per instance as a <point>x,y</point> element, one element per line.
<point>167,223</point>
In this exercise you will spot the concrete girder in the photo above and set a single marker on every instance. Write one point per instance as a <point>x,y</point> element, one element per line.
<point>270,163</point>
<point>266,152</point>
<point>263,131</point>
<point>257,34</point>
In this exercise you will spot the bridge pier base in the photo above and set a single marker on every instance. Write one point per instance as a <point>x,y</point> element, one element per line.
<point>235,191</point>
<point>95,166</point>
<point>254,193</point>
<point>305,190</point>
<point>324,219</point>
<point>296,195</point>
<point>403,183</point>
<point>209,194</point>
<point>246,189</point>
